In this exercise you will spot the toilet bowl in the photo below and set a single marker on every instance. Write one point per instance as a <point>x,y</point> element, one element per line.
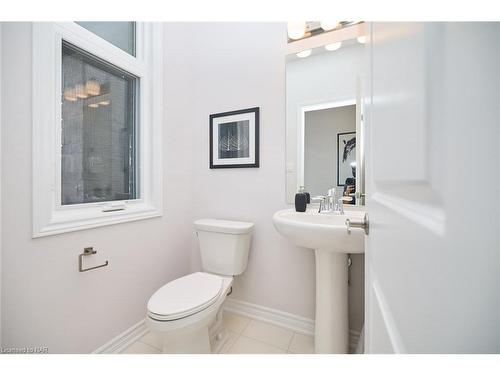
<point>186,312</point>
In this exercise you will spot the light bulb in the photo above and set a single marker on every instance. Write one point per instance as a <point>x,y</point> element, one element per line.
<point>80,91</point>
<point>104,102</point>
<point>93,105</point>
<point>296,30</point>
<point>329,25</point>
<point>304,53</point>
<point>333,46</point>
<point>362,39</point>
<point>92,88</point>
<point>70,95</point>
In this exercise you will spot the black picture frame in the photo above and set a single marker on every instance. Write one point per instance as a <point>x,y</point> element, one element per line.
<point>341,183</point>
<point>255,111</point>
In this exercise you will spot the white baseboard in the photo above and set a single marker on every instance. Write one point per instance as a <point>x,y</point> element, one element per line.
<point>265,314</point>
<point>123,340</point>
<point>279,318</point>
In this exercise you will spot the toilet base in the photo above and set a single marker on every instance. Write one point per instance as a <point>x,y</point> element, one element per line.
<point>218,333</point>
<point>205,339</point>
<point>195,341</point>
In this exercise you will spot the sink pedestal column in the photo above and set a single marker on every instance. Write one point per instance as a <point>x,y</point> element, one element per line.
<point>331,323</point>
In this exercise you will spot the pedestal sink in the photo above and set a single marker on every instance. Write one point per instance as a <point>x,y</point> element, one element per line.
<point>327,234</point>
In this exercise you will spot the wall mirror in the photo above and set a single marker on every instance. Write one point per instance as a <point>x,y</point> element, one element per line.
<point>324,113</point>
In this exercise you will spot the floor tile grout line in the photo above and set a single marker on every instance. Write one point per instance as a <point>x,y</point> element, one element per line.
<point>246,325</point>
<point>151,346</point>
<point>271,324</point>
<point>145,343</point>
<point>290,342</point>
<point>230,346</point>
<point>139,341</point>
<point>260,342</point>
<point>263,342</point>
<point>252,338</point>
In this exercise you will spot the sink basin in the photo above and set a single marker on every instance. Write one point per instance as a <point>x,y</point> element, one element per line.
<point>321,231</point>
<point>328,236</point>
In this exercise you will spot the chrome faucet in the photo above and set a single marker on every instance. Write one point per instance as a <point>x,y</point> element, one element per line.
<point>340,206</point>
<point>322,200</point>
<point>328,205</point>
<point>331,199</point>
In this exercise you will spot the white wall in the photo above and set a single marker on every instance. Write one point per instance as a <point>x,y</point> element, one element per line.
<point>236,66</point>
<point>45,300</point>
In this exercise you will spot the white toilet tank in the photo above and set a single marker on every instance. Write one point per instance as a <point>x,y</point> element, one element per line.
<point>224,245</point>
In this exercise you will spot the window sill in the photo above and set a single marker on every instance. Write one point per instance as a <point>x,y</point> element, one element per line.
<point>71,221</point>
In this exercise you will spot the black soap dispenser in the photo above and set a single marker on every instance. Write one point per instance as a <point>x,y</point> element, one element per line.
<point>301,200</point>
<point>308,196</point>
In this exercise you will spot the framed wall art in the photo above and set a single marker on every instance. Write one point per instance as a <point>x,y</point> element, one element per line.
<point>346,157</point>
<point>234,139</point>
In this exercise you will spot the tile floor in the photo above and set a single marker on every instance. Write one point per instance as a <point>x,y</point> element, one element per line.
<point>246,336</point>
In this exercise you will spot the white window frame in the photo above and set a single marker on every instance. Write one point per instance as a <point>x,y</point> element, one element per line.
<point>49,215</point>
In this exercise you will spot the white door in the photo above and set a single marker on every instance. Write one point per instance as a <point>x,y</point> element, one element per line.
<point>433,188</point>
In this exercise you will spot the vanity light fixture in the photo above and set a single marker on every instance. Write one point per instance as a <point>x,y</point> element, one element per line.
<point>296,30</point>
<point>362,39</point>
<point>329,25</point>
<point>333,46</point>
<point>304,53</point>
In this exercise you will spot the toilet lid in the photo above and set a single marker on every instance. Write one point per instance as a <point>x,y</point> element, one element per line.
<point>185,296</point>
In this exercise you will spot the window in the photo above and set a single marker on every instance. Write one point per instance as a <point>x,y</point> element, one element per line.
<point>98,130</point>
<point>96,124</point>
<point>121,34</point>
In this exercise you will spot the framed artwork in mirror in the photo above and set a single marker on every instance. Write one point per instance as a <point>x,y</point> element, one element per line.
<point>234,139</point>
<point>346,157</point>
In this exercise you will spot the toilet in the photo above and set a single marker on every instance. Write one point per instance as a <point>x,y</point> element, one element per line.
<point>186,312</point>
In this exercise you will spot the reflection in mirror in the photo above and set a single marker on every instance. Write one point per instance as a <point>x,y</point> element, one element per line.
<point>329,150</point>
<point>323,120</point>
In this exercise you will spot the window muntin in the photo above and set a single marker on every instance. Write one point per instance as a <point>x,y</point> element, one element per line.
<point>120,34</point>
<point>99,130</point>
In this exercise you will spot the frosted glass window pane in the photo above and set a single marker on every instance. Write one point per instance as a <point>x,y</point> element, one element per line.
<point>98,130</point>
<point>121,34</point>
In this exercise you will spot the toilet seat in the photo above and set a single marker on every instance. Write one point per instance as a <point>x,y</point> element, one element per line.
<point>185,296</point>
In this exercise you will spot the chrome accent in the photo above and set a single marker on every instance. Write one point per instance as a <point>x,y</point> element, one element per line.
<point>321,199</point>
<point>332,206</point>
<point>364,224</point>
<point>88,251</point>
